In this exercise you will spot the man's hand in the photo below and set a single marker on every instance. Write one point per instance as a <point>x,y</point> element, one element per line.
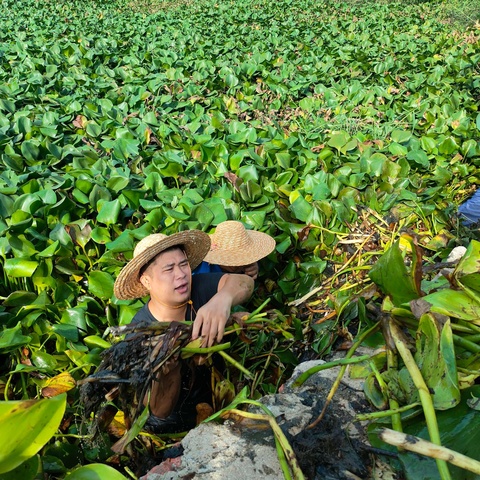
<point>211,320</point>
<point>251,270</point>
<point>212,317</point>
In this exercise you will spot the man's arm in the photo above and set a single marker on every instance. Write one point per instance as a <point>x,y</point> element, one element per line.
<point>212,317</point>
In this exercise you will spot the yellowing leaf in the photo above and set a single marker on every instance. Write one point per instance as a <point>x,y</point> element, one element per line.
<point>59,384</point>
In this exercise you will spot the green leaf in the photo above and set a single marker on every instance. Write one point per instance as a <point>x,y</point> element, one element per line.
<point>339,140</point>
<point>419,156</point>
<point>30,150</point>
<point>25,471</point>
<point>301,209</point>
<point>401,136</point>
<point>12,338</point>
<point>392,276</point>
<point>95,471</point>
<point>18,267</point>
<point>453,303</point>
<point>100,284</point>
<point>109,212</point>
<point>25,427</point>
<point>435,356</point>
<point>125,148</point>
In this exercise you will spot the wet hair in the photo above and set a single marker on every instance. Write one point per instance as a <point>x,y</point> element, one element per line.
<point>152,260</point>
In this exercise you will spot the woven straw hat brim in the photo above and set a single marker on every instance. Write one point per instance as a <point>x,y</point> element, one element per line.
<point>258,246</point>
<point>195,242</point>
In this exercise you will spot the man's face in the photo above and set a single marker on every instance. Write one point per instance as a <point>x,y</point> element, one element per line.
<point>169,278</point>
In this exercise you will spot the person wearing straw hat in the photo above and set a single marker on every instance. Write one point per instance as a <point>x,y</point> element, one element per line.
<point>161,268</point>
<point>235,249</point>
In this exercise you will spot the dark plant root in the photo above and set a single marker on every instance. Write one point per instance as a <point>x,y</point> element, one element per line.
<point>128,369</point>
<point>326,452</point>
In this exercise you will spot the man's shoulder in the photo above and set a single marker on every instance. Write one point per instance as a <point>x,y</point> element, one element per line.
<point>143,316</point>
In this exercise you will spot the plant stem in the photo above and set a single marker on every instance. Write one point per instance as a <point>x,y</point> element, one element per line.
<point>424,393</point>
<point>260,308</point>
<point>385,413</point>
<point>419,445</point>
<point>207,350</point>
<point>392,364</point>
<point>236,364</point>
<point>301,379</point>
<point>466,344</point>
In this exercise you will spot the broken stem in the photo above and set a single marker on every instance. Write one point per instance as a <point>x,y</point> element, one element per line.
<point>424,447</point>
<point>236,364</point>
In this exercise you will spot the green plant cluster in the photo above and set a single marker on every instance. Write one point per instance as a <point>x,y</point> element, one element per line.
<point>297,117</point>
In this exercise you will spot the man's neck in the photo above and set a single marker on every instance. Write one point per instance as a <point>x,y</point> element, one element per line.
<point>166,313</point>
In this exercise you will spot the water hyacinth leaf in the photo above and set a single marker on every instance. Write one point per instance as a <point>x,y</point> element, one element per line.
<point>300,208</point>
<point>50,251</point>
<point>204,215</point>
<point>109,212</point>
<point>100,284</point>
<point>44,361</point>
<point>18,267</point>
<point>255,219</point>
<point>453,303</point>
<point>469,263</point>
<point>124,148</point>
<point>94,341</point>
<point>19,298</point>
<point>12,338</point>
<point>25,427</point>
<point>401,136</point>
<point>419,156</point>
<point>61,383</point>
<point>338,140</point>
<point>68,331</point>
<point>391,275</point>
<point>123,243</point>
<point>117,183</point>
<point>435,356</point>
<point>76,317</point>
<point>6,206</point>
<point>101,235</point>
<point>30,150</point>
<point>95,471</point>
<point>26,471</point>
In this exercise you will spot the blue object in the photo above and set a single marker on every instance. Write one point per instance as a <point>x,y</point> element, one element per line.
<point>206,267</point>
<point>470,210</point>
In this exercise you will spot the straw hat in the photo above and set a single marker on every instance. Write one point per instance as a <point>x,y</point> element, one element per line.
<point>128,286</point>
<point>233,245</point>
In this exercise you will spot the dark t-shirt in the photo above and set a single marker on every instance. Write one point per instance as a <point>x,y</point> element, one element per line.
<point>204,287</point>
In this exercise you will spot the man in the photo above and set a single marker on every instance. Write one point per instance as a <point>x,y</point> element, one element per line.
<point>161,267</point>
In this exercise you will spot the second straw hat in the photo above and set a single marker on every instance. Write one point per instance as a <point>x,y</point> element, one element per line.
<point>233,245</point>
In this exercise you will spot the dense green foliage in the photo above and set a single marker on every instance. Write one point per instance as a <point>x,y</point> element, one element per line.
<point>312,121</point>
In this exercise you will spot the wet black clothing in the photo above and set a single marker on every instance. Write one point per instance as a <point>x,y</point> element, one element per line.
<point>196,383</point>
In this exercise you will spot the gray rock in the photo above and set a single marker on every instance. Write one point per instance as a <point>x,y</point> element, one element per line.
<point>213,451</point>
